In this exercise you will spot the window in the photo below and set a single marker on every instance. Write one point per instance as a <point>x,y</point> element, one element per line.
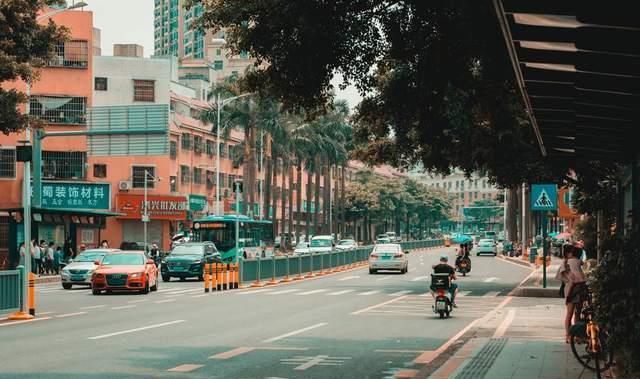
<point>197,175</point>
<point>209,147</point>
<point>73,54</point>
<point>197,144</point>
<point>173,184</point>
<point>100,84</point>
<point>186,141</point>
<point>59,109</point>
<point>173,149</point>
<point>218,52</point>
<point>144,90</point>
<point>141,173</point>
<point>99,170</point>
<point>7,163</point>
<point>232,178</point>
<point>221,147</point>
<point>218,65</point>
<point>64,165</point>
<point>185,174</point>
<point>211,179</point>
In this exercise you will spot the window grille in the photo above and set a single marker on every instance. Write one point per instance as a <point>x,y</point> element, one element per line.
<point>173,183</point>
<point>197,175</point>
<point>218,65</point>
<point>211,179</point>
<point>73,54</point>
<point>64,165</point>
<point>4,232</point>
<point>221,147</point>
<point>197,144</point>
<point>7,163</point>
<point>209,147</point>
<point>99,170</point>
<point>100,84</point>
<point>138,176</point>
<point>59,109</point>
<point>186,141</point>
<point>173,149</point>
<point>185,174</point>
<point>144,90</point>
<point>232,178</point>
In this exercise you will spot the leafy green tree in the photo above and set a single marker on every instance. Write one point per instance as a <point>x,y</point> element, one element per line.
<point>25,46</point>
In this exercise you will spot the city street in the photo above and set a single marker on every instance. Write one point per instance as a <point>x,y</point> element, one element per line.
<point>346,325</point>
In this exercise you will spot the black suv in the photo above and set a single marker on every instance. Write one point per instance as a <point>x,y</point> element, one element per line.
<point>187,260</point>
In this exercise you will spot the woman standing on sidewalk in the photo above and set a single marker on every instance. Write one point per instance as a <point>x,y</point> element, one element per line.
<point>570,272</point>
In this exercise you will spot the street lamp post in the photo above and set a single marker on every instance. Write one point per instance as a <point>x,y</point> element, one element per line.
<point>26,188</point>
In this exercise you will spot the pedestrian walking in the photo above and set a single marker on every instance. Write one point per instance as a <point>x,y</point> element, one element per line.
<point>68,250</point>
<point>22,251</point>
<point>58,256</point>
<point>575,287</point>
<point>104,244</point>
<point>37,257</point>
<point>49,255</point>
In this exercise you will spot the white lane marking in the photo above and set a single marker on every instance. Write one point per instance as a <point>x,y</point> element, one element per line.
<point>311,292</point>
<point>183,291</point>
<point>203,295</point>
<point>283,291</point>
<point>251,292</point>
<point>339,292</point>
<point>463,293</point>
<point>94,306</point>
<point>293,333</point>
<point>45,313</point>
<point>504,325</point>
<point>491,279</point>
<point>491,294</point>
<point>71,314</point>
<point>400,293</point>
<point>421,263</point>
<point>165,301</point>
<point>166,290</point>
<point>378,305</point>
<point>368,293</point>
<point>124,307</point>
<point>137,301</point>
<point>24,321</point>
<point>136,329</point>
<point>420,278</point>
<point>384,278</point>
<point>348,278</point>
<point>425,294</point>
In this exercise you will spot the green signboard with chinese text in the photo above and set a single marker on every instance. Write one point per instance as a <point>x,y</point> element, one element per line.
<point>197,203</point>
<point>74,195</point>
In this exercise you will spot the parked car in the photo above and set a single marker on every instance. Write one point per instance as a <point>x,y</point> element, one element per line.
<point>346,244</point>
<point>388,257</point>
<point>487,246</point>
<point>187,260</point>
<point>302,248</point>
<point>393,237</point>
<point>383,239</point>
<point>125,271</point>
<point>80,269</point>
<point>321,244</point>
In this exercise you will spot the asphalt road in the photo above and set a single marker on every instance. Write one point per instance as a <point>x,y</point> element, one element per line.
<point>345,325</point>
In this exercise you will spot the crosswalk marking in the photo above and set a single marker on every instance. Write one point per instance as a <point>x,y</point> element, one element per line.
<point>400,293</point>
<point>463,293</point>
<point>384,278</point>
<point>491,294</point>
<point>311,292</point>
<point>420,278</point>
<point>339,292</point>
<point>348,278</point>
<point>368,293</point>
<point>283,292</point>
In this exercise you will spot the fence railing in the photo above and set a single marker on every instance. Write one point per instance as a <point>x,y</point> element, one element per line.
<point>10,290</point>
<point>300,265</point>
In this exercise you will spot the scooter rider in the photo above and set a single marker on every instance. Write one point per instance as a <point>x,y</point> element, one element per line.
<point>444,268</point>
<point>463,253</point>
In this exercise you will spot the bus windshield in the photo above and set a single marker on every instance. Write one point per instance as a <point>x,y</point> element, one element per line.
<point>223,234</point>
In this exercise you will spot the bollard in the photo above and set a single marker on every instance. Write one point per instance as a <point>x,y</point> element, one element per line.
<point>321,272</point>
<point>310,274</point>
<point>234,276</point>
<point>218,277</point>
<point>257,283</point>
<point>32,294</point>
<point>240,271</point>
<point>212,283</point>
<point>22,314</point>
<point>273,272</point>
<point>287,279</point>
<point>205,269</point>
<point>299,276</point>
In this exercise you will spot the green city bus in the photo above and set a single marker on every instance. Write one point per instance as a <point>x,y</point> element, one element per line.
<point>255,237</point>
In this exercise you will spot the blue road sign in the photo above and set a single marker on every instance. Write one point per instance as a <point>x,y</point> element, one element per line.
<point>544,197</point>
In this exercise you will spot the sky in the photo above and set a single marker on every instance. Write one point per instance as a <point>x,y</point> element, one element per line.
<point>131,21</point>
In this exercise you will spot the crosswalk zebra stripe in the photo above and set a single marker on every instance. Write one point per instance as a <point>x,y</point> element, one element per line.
<point>368,293</point>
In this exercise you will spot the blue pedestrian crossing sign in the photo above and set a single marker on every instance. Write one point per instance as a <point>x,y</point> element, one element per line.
<point>544,197</point>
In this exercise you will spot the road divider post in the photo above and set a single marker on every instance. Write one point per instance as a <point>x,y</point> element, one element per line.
<point>287,279</point>
<point>32,294</point>
<point>273,271</point>
<point>310,274</point>
<point>258,282</point>
<point>206,269</point>
<point>218,277</point>
<point>299,276</point>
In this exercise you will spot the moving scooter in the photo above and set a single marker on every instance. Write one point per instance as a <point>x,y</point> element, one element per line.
<point>463,265</point>
<point>440,284</point>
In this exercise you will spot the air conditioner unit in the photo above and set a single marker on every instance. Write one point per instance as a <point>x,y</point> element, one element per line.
<point>124,185</point>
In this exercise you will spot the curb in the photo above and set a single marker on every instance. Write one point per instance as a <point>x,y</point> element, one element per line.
<point>47,279</point>
<point>516,261</point>
<point>549,292</point>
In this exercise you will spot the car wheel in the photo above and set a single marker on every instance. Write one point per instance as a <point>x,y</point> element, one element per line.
<point>372,271</point>
<point>155,286</point>
<point>477,254</point>
<point>166,278</point>
<point>96,292</point>
<point>67,286</point>
<point>146,288</point>
<point>200,278</point>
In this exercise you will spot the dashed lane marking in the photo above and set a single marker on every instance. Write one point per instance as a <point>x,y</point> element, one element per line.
<point>94,306</point>
<point>137,301</point>
<point>378,305</point>
<point>384,278</point>
<point>491,294</point>
<point>185,368</point>
<point>251,292</point>
<point>348,278</point>
<point>165,301</point>
<point>420,278</point>
<point>124,307</point>
<point>24,321</point>
<point>136,329</point>
<point>71,314</point>
<point>283,291</point>
<point>339,292</point>
<point>400,293</point>
<point>312,292</point>
<point>463,293</point>
<point>368,293</point>
<point>295,332</point>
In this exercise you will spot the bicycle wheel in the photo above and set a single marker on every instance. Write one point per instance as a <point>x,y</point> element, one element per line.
<point>580,350</point>
<point>596,360</point>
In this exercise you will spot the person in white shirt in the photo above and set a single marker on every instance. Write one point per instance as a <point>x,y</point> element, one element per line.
<point>37,256</point>
<point>575,287</point>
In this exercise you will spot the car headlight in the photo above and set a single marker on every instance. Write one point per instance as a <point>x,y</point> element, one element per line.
<point>163,261</point>
<point>197,261</point>
<point>90,272</point>
<point>136,275</point>
<point>65,272</point>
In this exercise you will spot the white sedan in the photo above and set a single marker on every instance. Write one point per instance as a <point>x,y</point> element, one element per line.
<point>487,246</point>
<point>388,256</point>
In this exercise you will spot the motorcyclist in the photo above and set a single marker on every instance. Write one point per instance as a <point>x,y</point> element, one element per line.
<point>154,253</point>
<point>463,252</point>
<point>444,268</point>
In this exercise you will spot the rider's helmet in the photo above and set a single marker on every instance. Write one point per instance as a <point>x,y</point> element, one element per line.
<point>444,258</point>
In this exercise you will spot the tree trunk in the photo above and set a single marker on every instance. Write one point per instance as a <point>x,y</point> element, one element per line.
<point>290,198</point>
<point>274,186</point>
<point>334,210</point>
<point>327,197</point>
<point>266,184</point>
<point>343,216</point>
<point>299,202</point>
<point>308,207</point>
<point>252,169</point>
<point>316,198</point>
<point>246,171</point>
<point>283,203</point>
<point>512,215</point>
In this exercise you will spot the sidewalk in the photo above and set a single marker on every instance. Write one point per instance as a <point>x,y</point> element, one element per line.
<point>532,287</point>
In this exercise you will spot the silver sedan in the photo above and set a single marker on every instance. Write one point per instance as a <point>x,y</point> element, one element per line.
<point>388,256</point>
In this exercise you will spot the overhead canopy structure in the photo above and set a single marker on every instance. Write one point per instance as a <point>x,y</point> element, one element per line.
<point>578,67</point>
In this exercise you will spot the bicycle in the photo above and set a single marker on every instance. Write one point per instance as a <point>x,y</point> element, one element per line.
<point>589,341</point>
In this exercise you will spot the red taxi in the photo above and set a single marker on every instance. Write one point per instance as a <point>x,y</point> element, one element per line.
<point>125,271</point>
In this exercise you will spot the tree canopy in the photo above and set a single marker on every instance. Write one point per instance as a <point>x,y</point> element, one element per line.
<point>25,45</point>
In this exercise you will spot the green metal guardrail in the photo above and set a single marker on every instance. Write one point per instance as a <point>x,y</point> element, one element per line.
<point>300,265</point>
<point>10,290</point>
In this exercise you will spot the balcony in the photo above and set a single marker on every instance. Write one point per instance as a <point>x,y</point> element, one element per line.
<point>61,110</point>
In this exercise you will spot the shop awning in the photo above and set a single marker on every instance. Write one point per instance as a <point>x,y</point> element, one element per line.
<point>578,67</point>
<point>75,216</point>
